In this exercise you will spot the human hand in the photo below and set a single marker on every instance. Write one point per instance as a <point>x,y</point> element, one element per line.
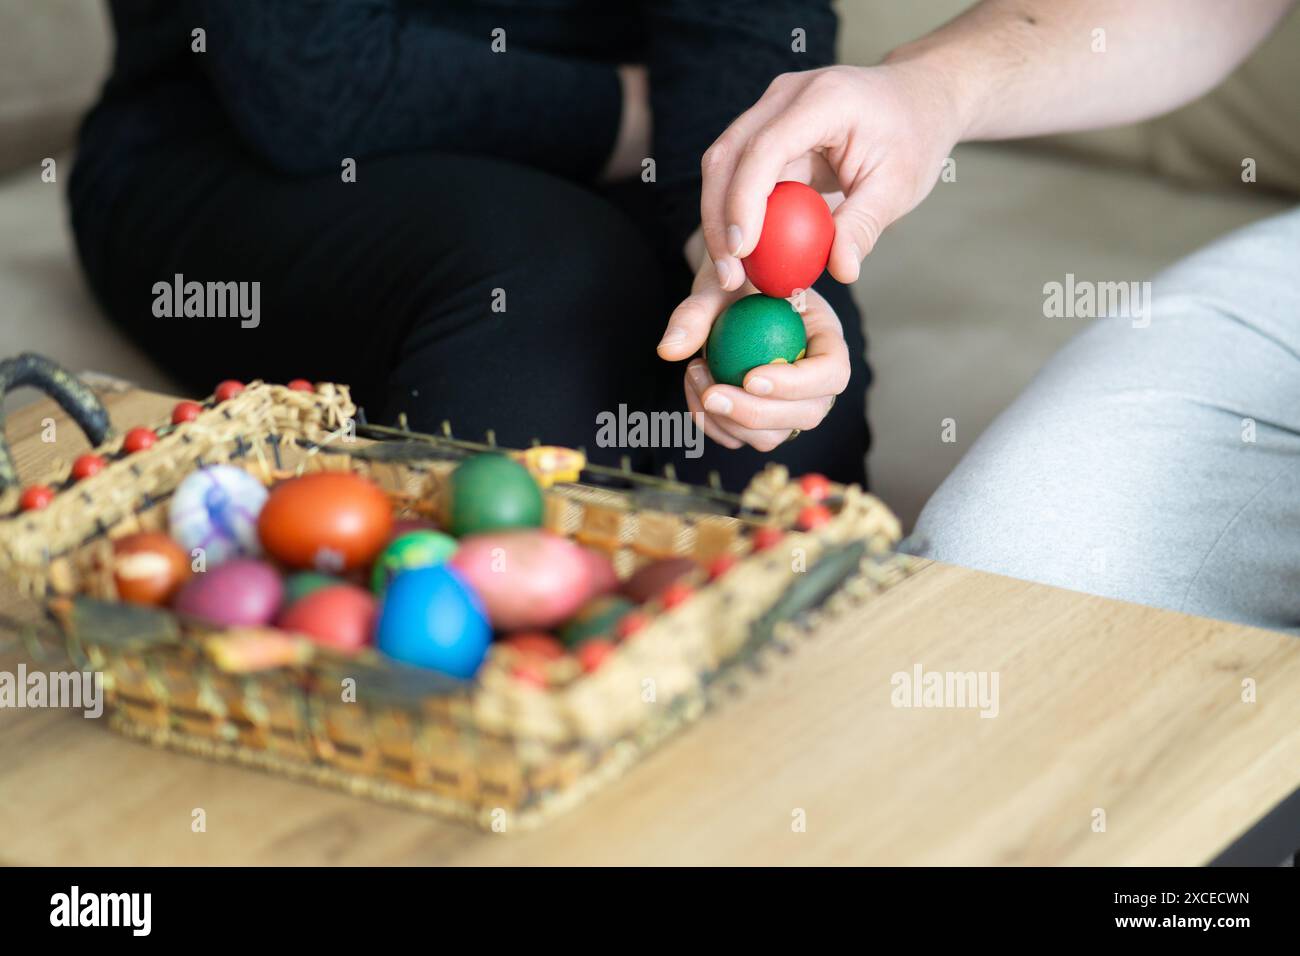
<point>776,399</point>
<point>880,134</point>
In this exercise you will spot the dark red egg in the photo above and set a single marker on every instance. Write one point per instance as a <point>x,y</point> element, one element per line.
<point>795,243</point>
<point>651,580</point>
<point>148,567</point>
<point>402,525</point>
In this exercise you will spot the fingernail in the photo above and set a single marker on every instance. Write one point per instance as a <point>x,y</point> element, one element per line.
<point>759,386</point>
<point>856,260</point>
<point>724,271</point>
<point>718,404</point>
<point>673,336</point>
<point>734,238</point>
<point>699,378</point>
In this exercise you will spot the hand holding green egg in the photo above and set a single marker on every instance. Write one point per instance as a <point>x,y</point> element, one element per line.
<point>752,386</point>
<point>756,330</point>
<point>768,371</point>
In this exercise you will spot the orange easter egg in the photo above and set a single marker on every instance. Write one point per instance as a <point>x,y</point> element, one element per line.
<point>331,521</point>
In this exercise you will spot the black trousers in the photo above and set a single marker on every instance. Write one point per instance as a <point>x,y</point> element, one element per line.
<point>443,286</point>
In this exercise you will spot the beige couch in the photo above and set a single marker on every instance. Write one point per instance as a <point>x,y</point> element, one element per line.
<point>953,296</point>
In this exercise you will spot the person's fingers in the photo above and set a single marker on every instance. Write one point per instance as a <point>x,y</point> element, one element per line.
<point>737,410</point>
<point>695,405</point>
<point>811,377</point>
<point>689,324</point>
<point>867,209</point>
<point>823,371</point>
<point>699,381</point>
<point>721,237</point>
<point>803,127</point>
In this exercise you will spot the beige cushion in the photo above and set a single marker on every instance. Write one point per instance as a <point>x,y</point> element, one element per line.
<point>1254,114</point>
<point>53,56</point>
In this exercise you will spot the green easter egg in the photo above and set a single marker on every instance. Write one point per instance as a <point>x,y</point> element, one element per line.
<point>491,492</point>
<point>756,330</point>
<point>299,585</point>
<point>596,618</point>
<point>415,549</point>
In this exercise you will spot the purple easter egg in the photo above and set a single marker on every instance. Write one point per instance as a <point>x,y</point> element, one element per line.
<point>240,592</point>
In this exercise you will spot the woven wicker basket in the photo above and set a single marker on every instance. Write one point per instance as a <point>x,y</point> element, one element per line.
<point>498,751</point>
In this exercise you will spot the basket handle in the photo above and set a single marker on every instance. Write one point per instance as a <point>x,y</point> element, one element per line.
<point>73,396</point>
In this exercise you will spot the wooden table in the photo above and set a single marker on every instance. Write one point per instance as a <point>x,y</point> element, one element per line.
<point>1104,707</point>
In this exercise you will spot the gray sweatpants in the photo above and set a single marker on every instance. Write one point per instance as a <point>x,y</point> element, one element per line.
<point>1156,464</point>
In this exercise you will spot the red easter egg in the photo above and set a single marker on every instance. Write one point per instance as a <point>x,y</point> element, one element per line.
<point>813,516</point>
<point>148,567</point>
<point>329,520</point>
<point>138,439</point>
<point>630,623</point>
<point>675,594</point>
<point>766,536</point>
<point>35,498</point>
<point>815,486</point>
<point>721,565</point>
<point>535,644</point>
<point>301,385</point>
<point>87,465</point>
<point>228,389</point>
<point>530,672</point>
<point>593,653</point>
<point>795,243</point>
<point>341,616</point>
<point>185,412</point>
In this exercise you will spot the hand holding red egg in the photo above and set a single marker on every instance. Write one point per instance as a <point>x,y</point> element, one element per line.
<point>795,243</point>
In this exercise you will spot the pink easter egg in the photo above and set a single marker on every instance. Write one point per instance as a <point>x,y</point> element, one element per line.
<point>528,579</point>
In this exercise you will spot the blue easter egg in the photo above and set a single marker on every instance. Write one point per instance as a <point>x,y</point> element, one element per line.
<point>432,618</point>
